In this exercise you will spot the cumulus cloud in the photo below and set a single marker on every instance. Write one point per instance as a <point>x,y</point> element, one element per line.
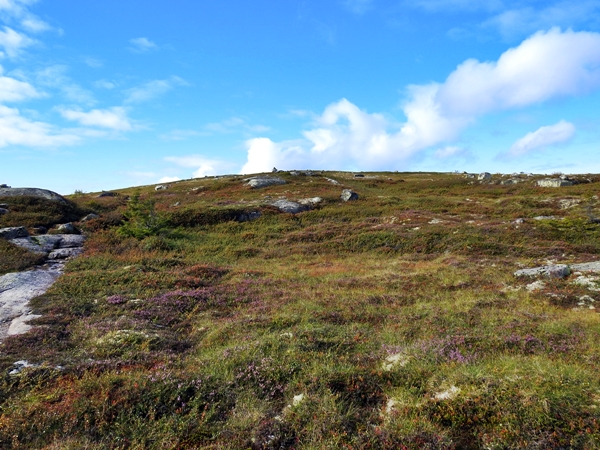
<point>112,118</point>
<point>152,89</point>
<point>543,137</point>
<point>204,166</point>
<point>547,65</point>
<point>142,45</point>
<point>12,42</point>
<point>18,130</point>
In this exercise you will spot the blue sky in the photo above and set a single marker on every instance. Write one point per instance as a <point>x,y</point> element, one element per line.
<point>102,95</point>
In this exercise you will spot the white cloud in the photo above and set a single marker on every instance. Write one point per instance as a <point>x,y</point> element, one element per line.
<point>517,22</point>
<point>152,89</point>
<point>169,179</point>
<point>142,45</point>
<point>12,90</point>
<point>543,137</point>
<point>205,166</point>
<point>18,130</point>
<point>358,6</point>
<point>545,66</point>
<point>13,42</point>
<point>35,25</point>
<point>112,118</point>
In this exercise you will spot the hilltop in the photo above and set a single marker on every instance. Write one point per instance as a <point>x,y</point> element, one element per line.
<point>313,310</point>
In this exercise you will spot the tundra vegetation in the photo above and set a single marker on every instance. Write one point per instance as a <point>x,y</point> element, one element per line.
<point>390,322</point>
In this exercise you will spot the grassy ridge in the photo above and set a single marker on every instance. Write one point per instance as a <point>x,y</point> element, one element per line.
<point>390,322</point>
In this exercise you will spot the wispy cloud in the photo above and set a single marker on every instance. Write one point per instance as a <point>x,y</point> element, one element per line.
<point>152,89</point>
<point>18,130</point>
<point>452,152</point>
<point>234,125</point>
<point>542,138</point>
<point>12,90</point>
<point>514,23</point>
<point>548,65</point>
<point>358,6</point>
<point>112,118</point>
<point>453,5</point>
<point>56,77</point>
<point>180,135</point>
<point>142,45</point>
<point>12,42</point>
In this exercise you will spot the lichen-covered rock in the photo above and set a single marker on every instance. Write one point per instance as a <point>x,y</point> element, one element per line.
<point>554,182</point>
<point>349,195</point>
<point>91,216</point>
<point>64,253</point>
<point>485,176</point>
<point>67,228</point>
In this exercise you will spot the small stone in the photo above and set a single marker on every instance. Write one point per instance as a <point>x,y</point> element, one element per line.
<point>358,175</point>
<point>3,211</point>
<point>64,253</point>
<point>4,205</point>
<point>310,201</point>
<point>161,187</point>
<point>332,181</point>
<point>349,195</point>
<point>40,230</point>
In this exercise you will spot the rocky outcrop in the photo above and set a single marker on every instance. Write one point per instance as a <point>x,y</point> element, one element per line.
<point>485,176</point>
<point>32,192</point>
<point>261,182</point>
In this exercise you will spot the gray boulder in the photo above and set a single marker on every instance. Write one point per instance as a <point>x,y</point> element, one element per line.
<point>261,182</point>
<point>4,186</point>
<point>32,192</point>
<point>67,228</point>
<point>485,176</point>
<point>554,182</point>
<point>349,195</point>
<point>106,194</point>
<point>290,207</point>
<point>161,187</point>
<point>69,240</point>
<point>4,205</point>
<point>30,245</point>
<point>551,271</point>
<point>13,232</point>
<point>332,181</point>
<point>3,211</point>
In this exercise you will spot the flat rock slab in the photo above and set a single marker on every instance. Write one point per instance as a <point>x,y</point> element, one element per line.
<point>261,182</point>
<point>16,289</point>
<point>551,271</point>
<point>70,240</point>
<point>48,242</point>
<point>586,267</point>
<point>32,192</point>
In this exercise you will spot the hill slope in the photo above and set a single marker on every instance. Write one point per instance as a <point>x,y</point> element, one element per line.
<point>201,316</point>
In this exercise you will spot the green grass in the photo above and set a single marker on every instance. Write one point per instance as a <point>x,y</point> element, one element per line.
<point>360,325</point>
